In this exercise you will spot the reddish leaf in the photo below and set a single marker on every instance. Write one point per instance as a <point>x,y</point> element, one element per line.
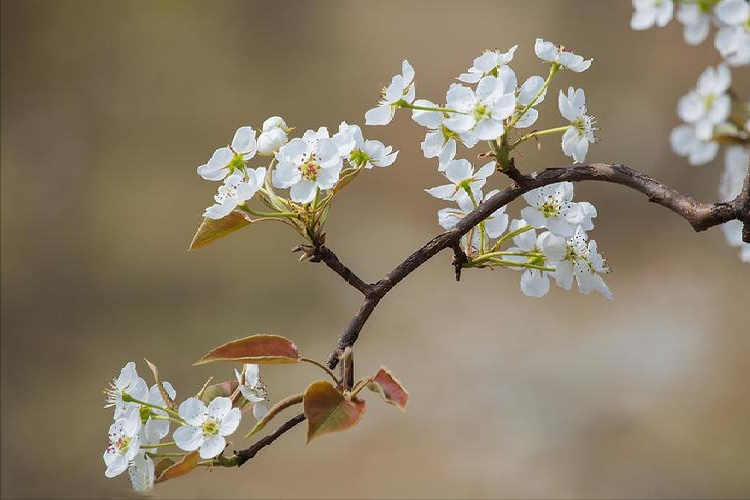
<point>258,349</point>
<point>327,410</point>
<point>390,388</point>
<point>180,468</point>
<point>212,229</point>
<point>162,465</point>
<point>224,389</point>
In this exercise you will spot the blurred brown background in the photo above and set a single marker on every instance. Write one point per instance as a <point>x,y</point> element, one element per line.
<point>108,107</point>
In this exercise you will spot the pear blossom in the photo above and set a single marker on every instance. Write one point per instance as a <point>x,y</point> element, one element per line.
<point>236,190</point>
<point>582,261</point>
<point>649,13</point>
<point>535,282</point>
<point>154,430</point>
<point>529,95</point>
<point>552,53</point>
<point>552,207</point>
<point>272,136</point>
<point>308,164</point>
<point>482,112</point>
<point>249,382</point>
<point>127,382</point>
<point>576,139</point>
<point>708,104</point>
<point>462,177</point>
<point>142,473</point>
<point>226,161</point>
<point>123,443</point>
<point>696,21</point>
<point>686,141</point>
<point>400,89</point>
<point>494,225</point>
<point>440,141</point>
<point>206,427</point>
<point>733,38</point>
<point>487,64</point>
<point>737,160</point>
<point>360,152</point>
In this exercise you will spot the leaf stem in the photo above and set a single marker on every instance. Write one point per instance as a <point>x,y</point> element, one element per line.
<point>554,67</point>
<point>322,367</point>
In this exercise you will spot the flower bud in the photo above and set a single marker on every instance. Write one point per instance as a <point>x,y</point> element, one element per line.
<point>273,135</point>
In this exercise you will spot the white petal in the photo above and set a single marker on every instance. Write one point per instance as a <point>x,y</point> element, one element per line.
<point>230,422</point>
<point>188,438</point>
<point>303,191</point>
<point>212,446</point>
<point>382,115</point>
<point>193,411</point>
<point>244,142</point>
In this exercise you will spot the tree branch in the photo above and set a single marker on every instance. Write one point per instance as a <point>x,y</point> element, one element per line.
<point>321,253</point>
<point>701,216</point>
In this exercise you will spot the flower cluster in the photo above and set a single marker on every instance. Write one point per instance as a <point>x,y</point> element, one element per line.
<point>142,418</point>
<point>732,18</point>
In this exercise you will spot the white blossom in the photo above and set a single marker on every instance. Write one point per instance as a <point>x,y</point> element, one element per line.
<point>696,22</point>
<point>400,89</point>
<point>126,383</point>
<point>526,95</point>
<point>552,207</point>
<point>249,382</point>
<point>576,139</point>
<point>708,104</point>
<point>651,12</point>
<point>206,427</point>
<point>535,282</point>
<point>226,161</point>
<point>272,136</point>
<point>440,141</point>
<point>583,262</point>
<point>360,152</point>
<point>686,142</point>
<point>308,164</point>
<point>482,112</point>
<point>494,225</point>
<point>552,53</point>
<point>236,190</point>
<point>736,162</point>
<point>123,442</point>
<point>142,473</point>
<point>462,177</point>
<point>733,38</point>
<point>487,64</point>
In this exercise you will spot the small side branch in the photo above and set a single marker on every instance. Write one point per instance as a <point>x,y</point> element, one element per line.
<point>322,253</point>
<point>248,453</point>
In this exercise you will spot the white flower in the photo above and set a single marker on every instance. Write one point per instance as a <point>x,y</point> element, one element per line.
<point>273,135</point>
<point>575,140</point>
<point>526,94</point>
<point>697,22</point>
<point>733,39</point>
<point>206,426</point>
<point>123,443</point>
<point>686,142</point>
<point>250,385</point>
<point>494,225</point>
<point>550,52</point>
<point>401,89</point>
<point>236,190</point>
<point>462,177</point>
<point>128,382</point>
<point>737,159</point>
<point>482,112</point>
<point>708,104</point>
<point>360,152</point>
<point>651,12</point>
<point>535,282</point>
<point>307,164</point>
<point>440,141</point>
<point>551,207</point>
<point>585,263</point>
<point>225,161</point>
<point>487,64</point>
<point>154,430</point>
<point>142,473</point>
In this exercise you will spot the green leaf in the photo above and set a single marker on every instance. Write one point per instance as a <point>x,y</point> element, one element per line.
<point>390,388</point>
<point>258,349</point>
<point>184,466</point>
<point>275,410</point>
<point>224,389</point>
<point>327,410</point>
<point>211,230</point>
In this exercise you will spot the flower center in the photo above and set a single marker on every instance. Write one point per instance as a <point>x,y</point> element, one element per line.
<point>310,168</point>
<point>359,157</point>
<point>120,444</point>
<point>237,163</point>
<point>480,111</point>
<point>708,101</point>
<point>550,208</point>
<point>210,427</point>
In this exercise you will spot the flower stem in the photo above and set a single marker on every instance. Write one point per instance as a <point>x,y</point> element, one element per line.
<point>159,445</point>
<point>322,367</point>
<point>482,235</point>
<point>506,263</point>
<point>556,130</point>
<point>510,235</point>
<point>491,255</point>
<point>554,67</point>
<point>130,399</point>
<point>427,108</point>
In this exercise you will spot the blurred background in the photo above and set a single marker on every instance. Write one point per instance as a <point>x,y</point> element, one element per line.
<point>108,107</point>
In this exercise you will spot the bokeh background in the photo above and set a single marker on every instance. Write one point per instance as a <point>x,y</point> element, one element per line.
<point>108,107</point>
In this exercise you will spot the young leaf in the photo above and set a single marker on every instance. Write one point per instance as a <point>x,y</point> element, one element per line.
<point>275,410</point>
<point>180,468</point>
<point>390,388</point>
<point>213,229</point>
<point>258,349</point>
<point>327,410</point>
<point>223,389</point>
<point>162,465</point>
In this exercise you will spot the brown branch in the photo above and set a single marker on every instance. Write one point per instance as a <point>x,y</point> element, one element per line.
<point>321,253</point>
<point>701,216</point>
